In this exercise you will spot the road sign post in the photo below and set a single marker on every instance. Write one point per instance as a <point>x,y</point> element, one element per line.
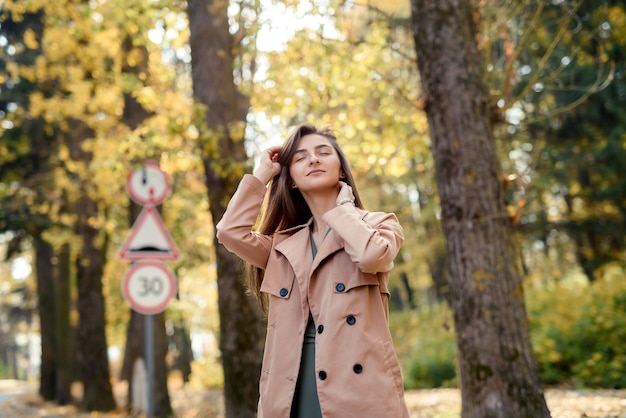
<point>149,285</point>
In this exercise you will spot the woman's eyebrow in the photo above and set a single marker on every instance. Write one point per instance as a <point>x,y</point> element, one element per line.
<point>316,148</point>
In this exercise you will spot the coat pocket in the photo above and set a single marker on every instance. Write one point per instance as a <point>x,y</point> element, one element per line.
<point>278,282</point>
<point>345,283</point>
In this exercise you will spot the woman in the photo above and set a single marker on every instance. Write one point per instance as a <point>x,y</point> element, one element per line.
<point>321,263</point>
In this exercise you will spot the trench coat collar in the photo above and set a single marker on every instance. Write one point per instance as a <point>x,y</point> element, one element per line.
<point>296,247</point>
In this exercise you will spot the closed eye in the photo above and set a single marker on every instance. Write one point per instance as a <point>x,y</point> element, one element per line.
<point>299,155</point>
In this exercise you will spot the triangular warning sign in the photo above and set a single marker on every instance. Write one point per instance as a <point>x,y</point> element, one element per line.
<point>149,239</point>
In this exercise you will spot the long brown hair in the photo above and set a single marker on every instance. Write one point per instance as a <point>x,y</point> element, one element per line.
<point>285,206</point>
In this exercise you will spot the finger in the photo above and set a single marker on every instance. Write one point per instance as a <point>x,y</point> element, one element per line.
<point>273,153</point>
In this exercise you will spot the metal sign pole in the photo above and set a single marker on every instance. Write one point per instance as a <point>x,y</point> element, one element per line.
<point>149,353</point>
<point>149,284</point>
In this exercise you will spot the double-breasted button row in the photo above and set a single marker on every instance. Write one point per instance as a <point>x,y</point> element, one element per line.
<point>339,287</point>
<point>350,319</point>
<point>357,368</point>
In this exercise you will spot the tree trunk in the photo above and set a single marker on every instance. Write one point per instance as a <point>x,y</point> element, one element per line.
<point>181,339</point>
<point>498,373</point>
<point>241,325</point>
<point>92,343</point>
<point>45,290</point>
<point>64,333</point>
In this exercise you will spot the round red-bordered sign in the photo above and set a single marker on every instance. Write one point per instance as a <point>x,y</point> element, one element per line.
<point>148,286</point>
<point>148,185</point>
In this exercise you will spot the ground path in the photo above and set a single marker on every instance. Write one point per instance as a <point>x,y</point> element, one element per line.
<point>19,400</point>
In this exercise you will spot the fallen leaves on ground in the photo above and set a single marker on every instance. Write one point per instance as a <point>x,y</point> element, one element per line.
<point>432,403</point>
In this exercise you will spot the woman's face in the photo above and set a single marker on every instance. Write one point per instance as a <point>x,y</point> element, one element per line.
<point>315,165</point>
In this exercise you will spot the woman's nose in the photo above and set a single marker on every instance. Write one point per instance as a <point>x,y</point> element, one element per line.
<point>314,159</point>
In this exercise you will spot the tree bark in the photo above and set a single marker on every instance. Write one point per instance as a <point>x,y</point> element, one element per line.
<point>181,339</point>
<point>498,373</point>
<point>241,325</point>
<point>46,307</point>
<point>92,343</point>
<point>63,329</point>
<point>90,260</point>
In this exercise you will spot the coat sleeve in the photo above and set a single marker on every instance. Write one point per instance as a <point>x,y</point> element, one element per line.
<point>372,242</point>
<point>234,230</point>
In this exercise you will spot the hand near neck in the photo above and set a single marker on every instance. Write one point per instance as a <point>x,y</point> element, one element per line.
<point>320,203</point>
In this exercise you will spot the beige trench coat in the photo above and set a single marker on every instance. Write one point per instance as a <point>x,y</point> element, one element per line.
<point>345,288</point>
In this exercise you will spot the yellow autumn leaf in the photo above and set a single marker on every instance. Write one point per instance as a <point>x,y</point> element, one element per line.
<point>36,104</point>
<point>30,39</point>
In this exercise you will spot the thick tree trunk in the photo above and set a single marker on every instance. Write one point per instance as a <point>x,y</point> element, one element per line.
<point>45,290</point>
<point>498,373</point>
<point>63,329</point>
<point>241,326</point>
<point>92,343</point>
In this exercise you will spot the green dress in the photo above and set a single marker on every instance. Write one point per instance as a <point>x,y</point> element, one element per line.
<point>305,402</point>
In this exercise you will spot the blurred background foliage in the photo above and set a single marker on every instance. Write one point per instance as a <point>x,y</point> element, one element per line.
<point>556,76</point>
<point>577,331</point>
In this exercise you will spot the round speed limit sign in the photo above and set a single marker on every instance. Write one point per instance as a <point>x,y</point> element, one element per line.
<point>148,286</point>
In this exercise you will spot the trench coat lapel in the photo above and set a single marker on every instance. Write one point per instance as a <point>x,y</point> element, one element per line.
<point>331,244</point>
<point>297,250</point>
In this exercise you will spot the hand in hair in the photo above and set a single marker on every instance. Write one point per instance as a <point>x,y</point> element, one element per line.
<point>268,165</point>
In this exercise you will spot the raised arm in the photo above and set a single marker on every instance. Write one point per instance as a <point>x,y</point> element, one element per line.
<point>234,230</point>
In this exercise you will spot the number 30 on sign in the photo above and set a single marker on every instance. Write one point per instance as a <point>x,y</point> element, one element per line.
<point>148,286</point>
